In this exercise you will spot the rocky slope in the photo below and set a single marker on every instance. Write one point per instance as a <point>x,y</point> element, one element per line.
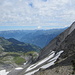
<point>65,65</point>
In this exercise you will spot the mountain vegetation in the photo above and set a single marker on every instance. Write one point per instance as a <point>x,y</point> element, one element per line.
<point>14,53</point>
<point>13,45</point>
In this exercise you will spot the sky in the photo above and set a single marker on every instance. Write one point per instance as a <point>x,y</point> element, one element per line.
<point>36,14</point>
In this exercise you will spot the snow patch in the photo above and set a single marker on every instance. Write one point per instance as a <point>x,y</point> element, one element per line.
<point>25,63</point>
<point>56,56</point>
<point>49,62</point>
<point>3,72</point>
<point>48,65</point>
<point>41,62</point>
<point>52,61</point>
<point>19,68</point>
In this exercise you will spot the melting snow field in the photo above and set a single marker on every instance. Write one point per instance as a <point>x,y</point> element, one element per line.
<point>41,62</point>
<point>19,68</point>
<point>3,72</point>
<point>50,60</point>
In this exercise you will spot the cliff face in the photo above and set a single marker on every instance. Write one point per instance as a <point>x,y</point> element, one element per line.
<point>68,45</point>
<point>65,65</point>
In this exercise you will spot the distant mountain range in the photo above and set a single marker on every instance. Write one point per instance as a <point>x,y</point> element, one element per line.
<point>37,37</point>
<point>13,45</point>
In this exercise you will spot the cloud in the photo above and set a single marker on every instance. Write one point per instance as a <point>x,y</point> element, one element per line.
<point>39,27</point>
<point>37,12</point>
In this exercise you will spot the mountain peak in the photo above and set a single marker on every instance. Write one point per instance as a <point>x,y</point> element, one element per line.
<point>72,27</point>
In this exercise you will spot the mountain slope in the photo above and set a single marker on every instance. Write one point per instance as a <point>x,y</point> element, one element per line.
<point>15,41</point>
<point>65,65</point>
<point>14,53</point>
<point>13,45</point>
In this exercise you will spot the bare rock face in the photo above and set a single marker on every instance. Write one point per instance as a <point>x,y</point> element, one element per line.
<point>72,28</point>
<point>56,71</point>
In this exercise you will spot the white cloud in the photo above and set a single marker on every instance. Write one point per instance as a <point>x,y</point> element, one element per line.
<point>20,0</point>
<point>39,27</point>
<point>37,12</point>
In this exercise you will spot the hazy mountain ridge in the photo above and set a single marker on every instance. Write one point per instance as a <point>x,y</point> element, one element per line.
<point>37,37</point>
